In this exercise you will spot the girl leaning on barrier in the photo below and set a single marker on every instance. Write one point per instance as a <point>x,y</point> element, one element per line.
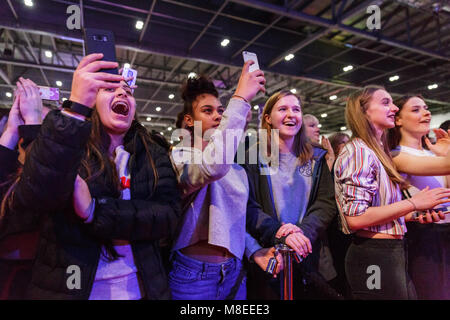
<point>297,190</point>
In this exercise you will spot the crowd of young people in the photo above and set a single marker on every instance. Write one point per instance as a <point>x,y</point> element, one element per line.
<point>86,189</point>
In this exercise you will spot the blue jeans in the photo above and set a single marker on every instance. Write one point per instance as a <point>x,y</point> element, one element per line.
<point>191,279</point>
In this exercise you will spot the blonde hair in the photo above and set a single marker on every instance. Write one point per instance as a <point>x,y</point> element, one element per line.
<point>359,124</point>
<point>308,116</point>
<point>302,148</point>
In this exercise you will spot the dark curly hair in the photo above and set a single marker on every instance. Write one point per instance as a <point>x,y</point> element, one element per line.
<point>194,87</point>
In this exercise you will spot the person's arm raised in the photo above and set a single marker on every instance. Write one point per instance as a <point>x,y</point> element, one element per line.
<point>422,166</point>
<point>194,176</point>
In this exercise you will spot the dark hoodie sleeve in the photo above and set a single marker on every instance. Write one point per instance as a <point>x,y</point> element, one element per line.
<point>48,175</point>
<point>51,165</point>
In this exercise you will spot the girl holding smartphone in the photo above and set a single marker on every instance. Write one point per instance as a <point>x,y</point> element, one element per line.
<point>102,193</point>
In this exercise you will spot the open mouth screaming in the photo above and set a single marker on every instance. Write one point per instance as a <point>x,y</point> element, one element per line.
<point>121,107</point>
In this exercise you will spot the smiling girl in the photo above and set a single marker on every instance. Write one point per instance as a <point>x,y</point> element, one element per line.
<point>370,202</point>
<point>218,206</point>
<point>298,191</point>
<point>428,245</point>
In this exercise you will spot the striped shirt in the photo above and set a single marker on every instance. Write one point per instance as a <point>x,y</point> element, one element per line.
<point>362,182</point>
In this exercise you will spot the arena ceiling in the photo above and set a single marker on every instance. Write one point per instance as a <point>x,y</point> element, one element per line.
<point>179,37</point>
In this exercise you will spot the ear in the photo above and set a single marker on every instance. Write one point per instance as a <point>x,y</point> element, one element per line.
<point>268,119</point>
<point>398,121</point>
<point>188,120</point>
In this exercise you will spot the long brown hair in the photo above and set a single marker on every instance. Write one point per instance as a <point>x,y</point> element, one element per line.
<point>336,139</point>
<point>96,164</point>
<point>302,148</point>
<point>10,186</point>
<point>394,134</point>
<point>359,124</point>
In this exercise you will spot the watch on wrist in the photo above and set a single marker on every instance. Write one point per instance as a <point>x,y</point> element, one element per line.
<point>77,108</point>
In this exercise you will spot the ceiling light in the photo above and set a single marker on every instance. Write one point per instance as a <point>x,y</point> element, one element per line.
<point>255,107</point>
<point>319,126</point>
<point>324,115</point>
<point>162,133</point>
<point>139,24</point>
<point>127,66</point>
<point>432,86</point>
<point>149,119</point>
<point>333,97</point>
<point>169,128</point>
<point>348,68</point>
<point>171,96</point>
<point>343,128</point>
<point>58,83</point>
<point>64,99</point>
<point>293,90</point>
<point>290,56</point>
<point>9,94</point>
<point>394,78</point>
<point>225,42</point>
<point>29,3</point>
<point>158,109</point>
<point>171,141</point>
<point>48,54</point>
<point>192,75</point>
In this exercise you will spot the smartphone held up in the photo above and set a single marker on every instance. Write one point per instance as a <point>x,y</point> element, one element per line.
<point>251,56</point>
<point>100,41</point>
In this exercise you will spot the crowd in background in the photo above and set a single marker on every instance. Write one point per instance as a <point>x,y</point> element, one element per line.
<point>87,185</point>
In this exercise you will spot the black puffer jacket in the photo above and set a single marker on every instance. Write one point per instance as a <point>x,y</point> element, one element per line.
<point>45,194</point>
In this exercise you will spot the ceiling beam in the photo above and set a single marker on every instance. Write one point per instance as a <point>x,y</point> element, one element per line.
<point>300,16</point>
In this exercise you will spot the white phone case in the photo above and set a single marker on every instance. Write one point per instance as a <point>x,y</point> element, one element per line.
<point>251,56</point>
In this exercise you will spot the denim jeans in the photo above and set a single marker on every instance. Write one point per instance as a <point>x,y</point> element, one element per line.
<point>191,279</point>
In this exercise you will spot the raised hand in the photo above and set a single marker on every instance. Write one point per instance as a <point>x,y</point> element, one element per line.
<point>87,81</point>
<point>250,82</point>
<point>430,198</point>
<point>10,136</point>
<point>442,145</point>
<point>30,101</point>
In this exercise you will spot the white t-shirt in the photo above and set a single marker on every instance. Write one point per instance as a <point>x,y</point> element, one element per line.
<point>420,182</point>
<point>118,280</point>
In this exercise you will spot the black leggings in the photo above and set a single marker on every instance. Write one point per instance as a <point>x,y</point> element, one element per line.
<point>376,269</point>
<point>429,259</point>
